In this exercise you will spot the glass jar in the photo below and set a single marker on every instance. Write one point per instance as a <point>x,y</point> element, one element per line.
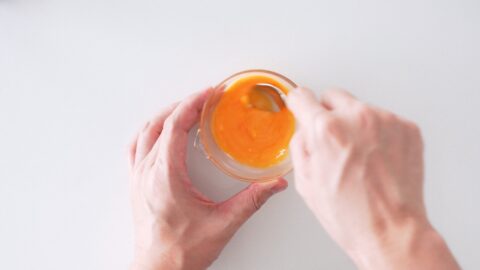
<point>206,141</point>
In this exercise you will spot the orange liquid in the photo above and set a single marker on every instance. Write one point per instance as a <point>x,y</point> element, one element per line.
<point>251,136</point>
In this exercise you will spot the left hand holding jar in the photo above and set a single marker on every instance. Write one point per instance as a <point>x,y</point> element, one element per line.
<point>173,221</point>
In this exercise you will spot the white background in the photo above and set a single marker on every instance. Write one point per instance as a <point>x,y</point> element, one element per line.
<point>78,78</point>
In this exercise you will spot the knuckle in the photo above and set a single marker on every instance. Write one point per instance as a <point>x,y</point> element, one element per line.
<point>389,117</point>
<point>169,124</point>
<point>132,148</point>
<point>147,124</point>
<point>414,127</point>
<point>258,196</point>
<point>328,92</point>
<point>335,92</point>
<point>368,121</point>
<point>341,94</point>
<point>326,124</point>
<point>364,110</point>
<point>256,201</point>
<point>415,131</point>
<point>333,129</point>
<point>149,132</point>
<point>366,116</point>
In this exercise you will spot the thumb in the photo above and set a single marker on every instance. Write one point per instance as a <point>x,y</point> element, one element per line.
<point>245,203</point>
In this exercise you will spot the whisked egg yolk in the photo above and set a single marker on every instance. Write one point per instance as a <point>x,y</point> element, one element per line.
<point>246,128</point>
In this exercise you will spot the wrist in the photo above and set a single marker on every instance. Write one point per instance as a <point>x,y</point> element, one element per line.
<point>172,258</point>
<point>156,259</point>
<point>413,245</point>
<point>394,245</point>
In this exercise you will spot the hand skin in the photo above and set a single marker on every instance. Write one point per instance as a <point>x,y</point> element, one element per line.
<point>175,226</point>
<point>360,170</point>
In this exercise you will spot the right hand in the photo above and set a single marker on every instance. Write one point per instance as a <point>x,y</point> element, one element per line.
<point>360,170</point>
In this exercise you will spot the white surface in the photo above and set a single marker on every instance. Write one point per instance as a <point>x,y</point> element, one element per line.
<point>78,78</point>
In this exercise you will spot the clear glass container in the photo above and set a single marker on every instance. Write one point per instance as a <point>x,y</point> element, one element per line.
<point>206,142</point>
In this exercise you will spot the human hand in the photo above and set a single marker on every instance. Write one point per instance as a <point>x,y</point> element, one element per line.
<point>360,170</point>
<point>177,227</point>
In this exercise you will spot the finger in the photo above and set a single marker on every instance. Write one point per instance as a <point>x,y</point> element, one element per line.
<point>337,99</point>
<point>150,133</point>
<point>300,158</point>
<point>173,140</point>
<point>298,150</point>
<point>304,105</point>
<point>132,151</point>
<point>245,203</point>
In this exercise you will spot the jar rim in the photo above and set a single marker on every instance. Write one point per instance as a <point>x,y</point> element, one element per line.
<point>203,134</point>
